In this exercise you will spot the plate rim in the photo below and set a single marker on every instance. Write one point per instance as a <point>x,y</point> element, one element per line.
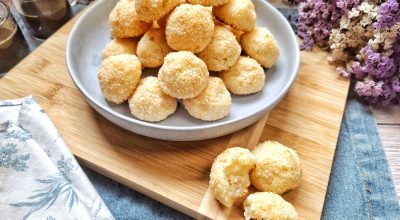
<point>133,120</point>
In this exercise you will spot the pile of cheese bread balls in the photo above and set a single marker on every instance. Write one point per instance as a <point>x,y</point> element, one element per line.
<point>270,167</point>
<point>186,40</point>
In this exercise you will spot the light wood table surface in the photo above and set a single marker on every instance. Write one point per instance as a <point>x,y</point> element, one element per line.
<point>388,121</point>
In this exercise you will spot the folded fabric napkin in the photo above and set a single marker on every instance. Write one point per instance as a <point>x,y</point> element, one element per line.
<point>39,177</point>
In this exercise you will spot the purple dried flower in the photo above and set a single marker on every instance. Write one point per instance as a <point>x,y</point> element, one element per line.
<point>375,65</point>
<point>382,93</point>
<point>367,35</point>
<point>315,22</point>
<point>378,65</point>
<point>396,84</point>
<point>369,88</point>
<point>387,96</point>
<point>356,69</point>
<point>346,5</point>
<point>396,51</point>
<point>342,72</point>
<point>317,18</point>
<point>388,15</point>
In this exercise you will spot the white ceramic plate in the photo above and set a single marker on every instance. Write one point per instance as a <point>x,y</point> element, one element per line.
<point>91,34</point>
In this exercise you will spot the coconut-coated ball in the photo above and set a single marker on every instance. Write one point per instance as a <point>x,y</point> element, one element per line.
<point>208,2</point>
<point>152,48</point>
<point>213,103</point>
<point>236,32</point>
<point>118,77</point>
<point>278,168</point>
<point>124,21</point>
<point>183,75</point>
<point>149,103</point>
<point>229,177</point>
<point>162,22</point>
<point>260,45</point>
<point>238,13</point>
<point>223,50</point>
<point>268,206</point>
<point>245,77</point>
<point>119,46</point>
<point>189,28</point>
<point>151,10</point>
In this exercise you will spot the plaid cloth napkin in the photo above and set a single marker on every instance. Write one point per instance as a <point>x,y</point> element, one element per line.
<point>39,177</point>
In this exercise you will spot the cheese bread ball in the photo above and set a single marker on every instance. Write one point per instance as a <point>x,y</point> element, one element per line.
<point>213,103</point>
<point>152,48</point>
<point>208,2</point>
<point>119,46</point>
<point>149,103</point>
<point>268,206</point>
<point>260,45</point>
<point>124,21</point>
<point>229,177</point>
<point>151,10</point>
<point>245,77</point>
<point>238,13</point>
<point>278,168</point>
<point>118,77</point>
<point>183,75</point>
<point>190,28</point>
<point>223,50</point>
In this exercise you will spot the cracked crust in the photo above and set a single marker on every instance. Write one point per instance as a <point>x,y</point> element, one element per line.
<point>229,177</point>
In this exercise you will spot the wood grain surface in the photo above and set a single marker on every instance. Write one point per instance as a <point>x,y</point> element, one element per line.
<point>177,173</point>
<point>388,121</point>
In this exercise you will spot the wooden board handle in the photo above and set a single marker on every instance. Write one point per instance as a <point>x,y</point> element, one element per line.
<point>248,137</point>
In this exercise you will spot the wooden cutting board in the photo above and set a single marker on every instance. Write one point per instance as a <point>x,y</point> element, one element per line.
<point>177,173</point>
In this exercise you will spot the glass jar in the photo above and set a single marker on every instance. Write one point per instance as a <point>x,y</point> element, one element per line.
<point>43,17</point>
<point>13,46</point>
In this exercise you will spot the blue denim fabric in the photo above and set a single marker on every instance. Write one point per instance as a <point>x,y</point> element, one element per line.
<point>125,203</point>
<point>360,185</point>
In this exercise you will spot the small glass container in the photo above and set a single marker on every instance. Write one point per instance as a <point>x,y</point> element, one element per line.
<point>43,17</point>
<point>13,46</point>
